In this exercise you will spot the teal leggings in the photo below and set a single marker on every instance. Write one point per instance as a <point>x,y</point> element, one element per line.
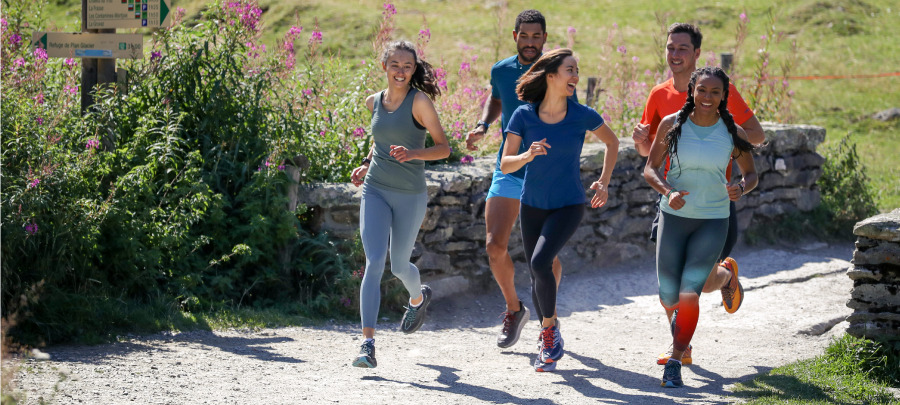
<point>685,254</point>
<point>388,215</point>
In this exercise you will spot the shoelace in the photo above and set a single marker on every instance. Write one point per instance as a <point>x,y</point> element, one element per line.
<point>671,372</point>
<point>547,336</point>
<point>368,349</point>
<point>411,313</point>
<point>508,319</point>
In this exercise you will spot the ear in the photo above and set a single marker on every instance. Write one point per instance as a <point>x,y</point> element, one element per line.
<point>697,53</point>
<point>515,36</point>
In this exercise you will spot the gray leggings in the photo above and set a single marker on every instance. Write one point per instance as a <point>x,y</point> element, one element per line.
<point>685,254</point>
<point>385,215</point>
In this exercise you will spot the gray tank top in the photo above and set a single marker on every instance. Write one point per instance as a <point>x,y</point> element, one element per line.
<point>396,128</point>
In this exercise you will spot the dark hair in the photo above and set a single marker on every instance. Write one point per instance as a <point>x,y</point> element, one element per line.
<point>674,133</point>
<point>423,78</point>
<point>533,84</point>
<point>685,28</point>
<point>531,16</point>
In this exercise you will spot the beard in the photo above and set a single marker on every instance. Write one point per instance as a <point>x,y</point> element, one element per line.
<point>537,54</point>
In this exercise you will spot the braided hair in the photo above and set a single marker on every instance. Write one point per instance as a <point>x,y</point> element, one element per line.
<point>674,133</point>
<point>423,78</point>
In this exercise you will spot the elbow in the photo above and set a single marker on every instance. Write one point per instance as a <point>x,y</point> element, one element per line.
<point>445,151</point>
<point>613,144</point>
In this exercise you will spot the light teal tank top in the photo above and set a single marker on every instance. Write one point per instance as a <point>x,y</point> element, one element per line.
<point>396,128</point>
<point>703,156</point>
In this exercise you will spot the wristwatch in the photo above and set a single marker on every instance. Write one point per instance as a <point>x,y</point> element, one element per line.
<point>366,161</point>
<point>484,124</point>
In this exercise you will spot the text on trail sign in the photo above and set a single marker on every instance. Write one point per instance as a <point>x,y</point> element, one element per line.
<point>81,45</point>
<point>127,13</point>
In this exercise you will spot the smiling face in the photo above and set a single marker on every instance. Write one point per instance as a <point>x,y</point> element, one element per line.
<point>680,53</point>
<point>530,39</point>
<point>399,66</point>
<point>565,78</point>
<point>708,94</point>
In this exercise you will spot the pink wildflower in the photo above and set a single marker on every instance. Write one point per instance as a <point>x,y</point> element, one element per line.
<point>467,159</point>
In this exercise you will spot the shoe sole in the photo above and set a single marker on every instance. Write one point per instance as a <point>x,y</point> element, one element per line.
<point>739,293</point>
<point>363,362</point>
<point>518,333</point>
<point>545,367</point>
<point>425,302</point>
<point>670,384</point>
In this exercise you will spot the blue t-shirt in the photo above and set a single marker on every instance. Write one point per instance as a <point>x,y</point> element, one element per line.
<point>554,180</point>
<point>504,77</point>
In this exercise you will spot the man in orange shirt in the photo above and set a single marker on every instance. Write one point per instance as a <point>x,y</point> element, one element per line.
<point>682,52</point>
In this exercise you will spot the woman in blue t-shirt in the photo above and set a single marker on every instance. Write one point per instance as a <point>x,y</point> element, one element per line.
<point>553,126</point>
<point>700,140</point>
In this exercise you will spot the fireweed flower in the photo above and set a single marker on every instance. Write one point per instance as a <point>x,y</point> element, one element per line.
<point>92,144</point>
<point>34,183</point>
<point>571,30</point>
<point>39,120</point>
<point>622,49</point>
<point>15,39</point>
<point>743,17</point>
<point>467,159</point>
<point>425,34</point>
<point>464,66</point>
<point>31,228</point>
<point>40,54</point>
<point>322,133</point>
<point>71,89</point>
<point>346,302</point>
<point>39,98</point>
<point>442,84</point>
<point>315,38</point>
<point>359,132</point>
<point>389,10</point>
<point>155,55</point>
<point>307,92</point>
<point>70,62</point>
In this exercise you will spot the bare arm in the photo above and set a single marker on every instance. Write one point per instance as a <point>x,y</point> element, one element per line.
<point>510,161</point>
<point>653,170</point>
<point>605,135</point>
<point>749,178</point>
<point>754,131</point>
<point>492,109</point>
<point>424,112</point>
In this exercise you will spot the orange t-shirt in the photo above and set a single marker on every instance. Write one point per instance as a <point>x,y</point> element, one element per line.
<point>665,100</point>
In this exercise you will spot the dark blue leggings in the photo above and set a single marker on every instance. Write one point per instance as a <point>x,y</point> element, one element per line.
<point>544,233</point>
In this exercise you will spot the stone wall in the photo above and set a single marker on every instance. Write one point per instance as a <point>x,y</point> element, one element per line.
<point>450,246</point>
<point>875,297</point>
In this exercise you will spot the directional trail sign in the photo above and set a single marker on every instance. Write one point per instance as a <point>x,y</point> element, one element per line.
<point>127,13</point>
<point>81,45</point>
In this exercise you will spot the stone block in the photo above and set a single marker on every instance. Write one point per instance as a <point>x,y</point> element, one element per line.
<point>450,200</point>
<point>433,261</point>
<point>883,253</point>
<point>448,286</point>
<point>862,273</point>
<point>437,235</point>
<point>883,226</point>
<point>881,295</point>
<point>432,216</point>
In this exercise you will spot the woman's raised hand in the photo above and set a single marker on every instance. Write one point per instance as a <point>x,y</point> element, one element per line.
<point>538,148</point>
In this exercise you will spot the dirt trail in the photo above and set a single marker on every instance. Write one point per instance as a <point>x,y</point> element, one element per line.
<point>612,323</point>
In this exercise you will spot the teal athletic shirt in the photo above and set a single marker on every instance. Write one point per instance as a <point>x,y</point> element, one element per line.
<point>703,156</point>
<point>396,128</point>
<point>554,180</point>
<point>504,77</point>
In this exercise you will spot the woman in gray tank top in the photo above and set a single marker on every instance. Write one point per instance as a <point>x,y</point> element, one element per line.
<point>393,180</point>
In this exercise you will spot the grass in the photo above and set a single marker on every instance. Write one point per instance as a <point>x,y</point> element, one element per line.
<point>843,375</point>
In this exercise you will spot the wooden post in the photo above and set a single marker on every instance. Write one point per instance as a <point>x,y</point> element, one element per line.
<point>726,59</point>
<point>94,71</point>
<point>592,89</point>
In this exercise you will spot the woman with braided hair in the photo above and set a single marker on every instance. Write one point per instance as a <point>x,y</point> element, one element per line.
<point>699,140</point>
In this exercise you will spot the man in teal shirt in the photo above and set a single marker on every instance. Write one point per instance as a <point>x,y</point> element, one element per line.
<point>502,206</point>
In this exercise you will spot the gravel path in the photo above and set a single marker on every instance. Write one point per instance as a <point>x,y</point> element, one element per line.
<point>612,323</point>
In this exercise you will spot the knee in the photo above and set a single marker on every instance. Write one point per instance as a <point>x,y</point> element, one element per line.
<point>542,267</point>
<point>495,247</point>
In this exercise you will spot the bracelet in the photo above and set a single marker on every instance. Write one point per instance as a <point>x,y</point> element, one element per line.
<point>670,193</point>
<point>484,124</point>
<point>366,161</point>
<point>741,185</point>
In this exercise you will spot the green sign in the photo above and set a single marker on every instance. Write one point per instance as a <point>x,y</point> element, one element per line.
<point>127,13</point>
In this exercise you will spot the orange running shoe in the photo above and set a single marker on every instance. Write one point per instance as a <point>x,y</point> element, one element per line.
<point>733,292</point>
<point>686,359</point>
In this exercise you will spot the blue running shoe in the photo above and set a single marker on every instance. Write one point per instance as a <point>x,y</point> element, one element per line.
<point>551,345</point>
<point>366,357</point>
<point>672,375</point>
<point>542,367</point>
<point>415,316</point>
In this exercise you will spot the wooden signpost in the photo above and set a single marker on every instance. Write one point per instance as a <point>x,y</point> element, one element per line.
<point>98,45</point>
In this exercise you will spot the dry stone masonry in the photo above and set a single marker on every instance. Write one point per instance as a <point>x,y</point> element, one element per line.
<point>450,247</point>
<point>875,297</point>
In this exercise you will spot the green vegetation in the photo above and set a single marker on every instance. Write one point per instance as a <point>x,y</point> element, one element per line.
<point>852,371</point>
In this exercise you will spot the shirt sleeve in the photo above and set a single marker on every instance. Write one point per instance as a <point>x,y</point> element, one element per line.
<point>737,106</point>
<point>495,91</point>
<point>592,119</point>
<point>516,124</point>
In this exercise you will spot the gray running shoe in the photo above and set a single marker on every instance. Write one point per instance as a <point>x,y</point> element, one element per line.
<point>513,322</point>
<point>672,375</point>
<point>366,357</point>
<point>415,316</point>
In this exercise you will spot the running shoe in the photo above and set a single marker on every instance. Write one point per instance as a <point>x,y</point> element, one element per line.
<point>366,357</point>
<point>542,367</point>
<point>733,292</point>
<point>512,326</point>
<point>685,358</point>
<point>672,375</point>
<point>415,316</point>
<point>551,345</point>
